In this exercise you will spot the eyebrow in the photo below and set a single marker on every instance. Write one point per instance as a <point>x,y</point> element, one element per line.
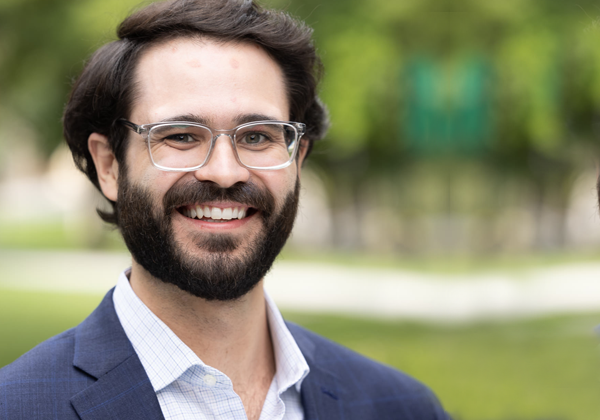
<point>246,118</point>
<point>238,119</point>
<point>187,118</point>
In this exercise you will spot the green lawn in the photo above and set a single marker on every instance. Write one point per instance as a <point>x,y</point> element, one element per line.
<point>515,370</point>
<point>443,264</point>
<point>54,235</point>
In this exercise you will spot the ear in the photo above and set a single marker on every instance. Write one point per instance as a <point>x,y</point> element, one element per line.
<point>106,164</point>
<point>302,152</point>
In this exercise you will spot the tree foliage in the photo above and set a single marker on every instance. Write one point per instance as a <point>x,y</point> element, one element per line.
<point>513,85</point>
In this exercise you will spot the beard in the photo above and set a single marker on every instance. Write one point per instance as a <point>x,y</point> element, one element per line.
<point>218,275</point>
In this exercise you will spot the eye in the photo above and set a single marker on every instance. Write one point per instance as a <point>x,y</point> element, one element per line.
<point>255,138</point>
<point>180,138</point>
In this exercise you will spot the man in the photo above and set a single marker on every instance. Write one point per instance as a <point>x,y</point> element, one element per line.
<point>194,125</point>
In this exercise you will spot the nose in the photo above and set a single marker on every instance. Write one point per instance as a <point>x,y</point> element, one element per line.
<point>222,167</point>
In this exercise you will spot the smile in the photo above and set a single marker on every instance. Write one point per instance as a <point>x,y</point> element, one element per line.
<point>216,214</point>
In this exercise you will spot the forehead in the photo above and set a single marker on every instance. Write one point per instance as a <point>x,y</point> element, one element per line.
<point>216,81</point>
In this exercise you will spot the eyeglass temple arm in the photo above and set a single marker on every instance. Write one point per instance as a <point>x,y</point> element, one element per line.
<point>131,125</point>
<point>301,129</point>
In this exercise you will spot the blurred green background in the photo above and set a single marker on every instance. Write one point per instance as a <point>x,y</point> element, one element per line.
<point>464,137</point>
<point>461,127</point>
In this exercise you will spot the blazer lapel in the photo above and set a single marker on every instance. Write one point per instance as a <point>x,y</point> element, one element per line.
<point>322,395</point>
<point>123,393</point>
<point>122,390</point>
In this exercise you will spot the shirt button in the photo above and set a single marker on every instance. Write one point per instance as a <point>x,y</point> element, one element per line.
<point>210,380</point>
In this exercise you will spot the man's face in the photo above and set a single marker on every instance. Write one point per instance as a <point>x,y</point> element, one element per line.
<point>223,85</point>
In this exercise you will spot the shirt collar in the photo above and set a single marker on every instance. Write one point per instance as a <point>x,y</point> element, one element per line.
<point>291,366</point>
<point>151,338</point>
<point>166,358</point>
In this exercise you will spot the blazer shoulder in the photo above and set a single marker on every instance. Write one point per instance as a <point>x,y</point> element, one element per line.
<point>366,381</point>
<point>42,381</point>
<point>44,359</point>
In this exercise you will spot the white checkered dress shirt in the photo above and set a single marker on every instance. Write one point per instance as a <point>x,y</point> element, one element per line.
<point>186,388</point>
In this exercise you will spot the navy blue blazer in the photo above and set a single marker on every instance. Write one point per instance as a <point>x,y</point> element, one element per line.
<point>92,372</point>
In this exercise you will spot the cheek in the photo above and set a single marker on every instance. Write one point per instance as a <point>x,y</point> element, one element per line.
<point>141,169</point>
<point>280,185</point>
<point>151,179</point>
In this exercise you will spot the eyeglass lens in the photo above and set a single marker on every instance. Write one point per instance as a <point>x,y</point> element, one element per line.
<point>263,145</point>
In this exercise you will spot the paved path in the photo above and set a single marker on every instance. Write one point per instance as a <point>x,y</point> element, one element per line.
<point>330,288</point>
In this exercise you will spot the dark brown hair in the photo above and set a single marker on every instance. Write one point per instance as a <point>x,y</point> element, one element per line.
<point>106,88</point>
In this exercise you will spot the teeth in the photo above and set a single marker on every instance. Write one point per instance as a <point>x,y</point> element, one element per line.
<point>227,214</point>
<point>215,213</point>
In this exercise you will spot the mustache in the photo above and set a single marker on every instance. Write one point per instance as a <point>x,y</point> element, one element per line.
<point>246,193</point>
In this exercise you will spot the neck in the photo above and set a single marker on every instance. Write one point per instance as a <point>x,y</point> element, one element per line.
<point>232,336</point>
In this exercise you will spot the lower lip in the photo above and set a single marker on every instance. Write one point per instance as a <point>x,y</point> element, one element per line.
<point>231,224</point>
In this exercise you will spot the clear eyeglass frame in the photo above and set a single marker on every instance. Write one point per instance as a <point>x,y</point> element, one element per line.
<point>144,130</point>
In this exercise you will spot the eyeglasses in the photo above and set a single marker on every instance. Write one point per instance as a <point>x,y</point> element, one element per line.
<point>185,146</point>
